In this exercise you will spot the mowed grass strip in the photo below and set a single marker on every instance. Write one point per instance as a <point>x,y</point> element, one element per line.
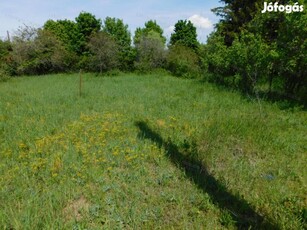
<point>149,151</point>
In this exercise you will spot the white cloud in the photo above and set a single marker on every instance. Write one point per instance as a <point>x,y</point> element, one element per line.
<point>170,29</point>
<point>200,22</point>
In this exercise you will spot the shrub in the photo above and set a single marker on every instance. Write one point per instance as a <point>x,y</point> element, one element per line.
<point>251,60</point>
<point>104,53</point>
<point>38,52</point>
<point>151,54</point>
<point>183,62</point>
<point>3,75</point>
<point>215,56</point>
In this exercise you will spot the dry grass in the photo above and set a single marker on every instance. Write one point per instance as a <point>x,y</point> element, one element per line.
<point>76,209</point>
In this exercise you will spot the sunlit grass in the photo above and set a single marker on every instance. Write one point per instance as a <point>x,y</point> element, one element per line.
<point>82,162</point>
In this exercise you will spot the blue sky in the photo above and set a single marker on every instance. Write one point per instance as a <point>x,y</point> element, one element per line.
<point>15,13</point>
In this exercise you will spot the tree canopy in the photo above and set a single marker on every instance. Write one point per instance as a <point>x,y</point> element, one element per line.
<point>65,30</point>
<point>185,34</point>
<point>235,15</point>
<point>120,33</point>
<point>87,24</point>
<point>118,30</point>
<point>150,26</point>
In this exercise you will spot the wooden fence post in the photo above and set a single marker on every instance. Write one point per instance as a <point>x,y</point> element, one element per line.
<point>80,83</point>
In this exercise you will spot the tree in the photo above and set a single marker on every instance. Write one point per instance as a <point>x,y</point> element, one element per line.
<point>37,51</point>
<point>120,33</point>
<point>150,52</point>
<point>250,58</point>
<point>150,26</point>
<point>26,33</point>
<point>185,34</point>
<point>251,50</point>
<point>66,31</point>
<point>87,25</point>
<point>292,46</point>
<point>217,58</point>
<point>51,55</point>
<point>104,52</point>
<point>118,30</point>
<point>236,14</point>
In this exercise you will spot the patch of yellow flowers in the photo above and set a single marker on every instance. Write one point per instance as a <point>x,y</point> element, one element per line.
<point>99,142</point>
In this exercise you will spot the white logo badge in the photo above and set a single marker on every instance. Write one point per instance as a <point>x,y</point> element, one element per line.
<point>275,7</point>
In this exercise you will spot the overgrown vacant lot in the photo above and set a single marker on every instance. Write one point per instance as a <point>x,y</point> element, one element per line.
<point>147,152</point>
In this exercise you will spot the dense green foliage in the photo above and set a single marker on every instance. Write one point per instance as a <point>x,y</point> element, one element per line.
<point>104,52</point>
<point>185,34</point>
<point>64,30</point>
<point>151,52</point>
<point>150,27</point>
<point>119,31</point>
<point>257,52</point>
<point>149,43</point>
<point>4,76</point>
<point>87,25</point>
<point>38,52</point>
<point>5,48</point>
<point>182,61</point>
<point>235,15</point>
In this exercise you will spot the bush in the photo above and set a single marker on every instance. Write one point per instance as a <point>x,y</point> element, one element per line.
<point>244,65</point>
<point>215,56</point>
<point>251,60</point>
<point>104,53</point>
<point>183,62</point>
<point>39,52</point>
<point>3,75</point>
<point>151,54</point>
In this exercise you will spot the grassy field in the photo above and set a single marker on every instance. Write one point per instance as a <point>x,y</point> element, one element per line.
<point>147,152</point>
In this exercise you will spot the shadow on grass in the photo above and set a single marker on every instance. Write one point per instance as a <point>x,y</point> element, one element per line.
<point>240,211</point>
<point>284,101</point>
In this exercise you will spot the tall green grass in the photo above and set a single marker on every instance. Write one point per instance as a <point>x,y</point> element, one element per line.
<point>147,152</point>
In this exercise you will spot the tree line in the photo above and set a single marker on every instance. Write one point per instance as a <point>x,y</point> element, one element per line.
<point>92,45</point>
<point>248,50</point>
